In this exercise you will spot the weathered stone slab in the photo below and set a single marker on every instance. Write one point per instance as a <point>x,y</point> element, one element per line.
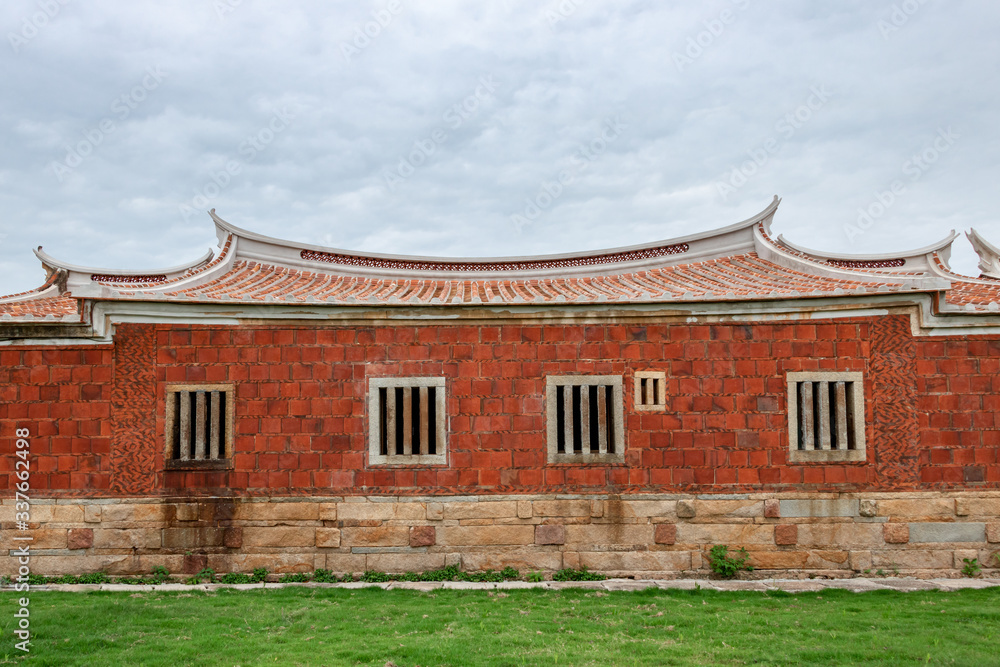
<point>125,513</point>
<point>138,538</point>
<point>188,512</point>
<point>733,508</point>
<point>423,536</point>
<point>947,532</point>
<point>277,512</point>
<point>80,538</point>
<point>561,508</point>
<point>405,562</point>
<point>896,533</point>
<point>665,533</point>
<point>480,510</point>
<point>639,509</point>
<point>523,560</point>
<point>786,534</point>
<point>485,535</point>
<point>550,534</point>
<point>609,533</point>
<point>342,563</point>
<point>328,538</point>
<point>381,511</point>
<point>192,538</point>
<point>915,507</point>
<point>820,507</point>
<point>911,559</point>
<point>987,507</point>
<point>732,534</point>
<point>839,535</point>
<point>686,509</point>
<point>279,536</point>
<point>637,561</point>
<point>382,536</point>
<point>804,560</point>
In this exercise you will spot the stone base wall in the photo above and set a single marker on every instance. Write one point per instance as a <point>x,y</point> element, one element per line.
<point>662,536</point>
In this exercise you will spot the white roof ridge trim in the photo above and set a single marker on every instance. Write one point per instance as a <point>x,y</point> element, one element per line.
<point>50,261</point>
<point>903,254</point>
<point>749,222</point>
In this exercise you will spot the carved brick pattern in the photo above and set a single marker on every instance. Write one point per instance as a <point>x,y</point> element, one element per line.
<point>866,264</point>
<point>376,262</point>
<point>894,391</point>
<point>138,281</point>
<point>133,410</point>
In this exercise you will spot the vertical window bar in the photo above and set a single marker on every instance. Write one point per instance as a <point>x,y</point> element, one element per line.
<point>215,436</point>
<point>849,390</point>
<point>585,419</point>
<point>435,426</point>
<point>602,419</point>
<point>560,420</point>
<point>840,401</point>
<point>806,432</point>
<point>424,421</point>
<point>661,391</point>
<point>185,425</point>
<point>390,426</point>
<point>609,411</point>
<point>568,418</point>
<point>408,421</point>
<point>822,391</point>
<point>199,426</point>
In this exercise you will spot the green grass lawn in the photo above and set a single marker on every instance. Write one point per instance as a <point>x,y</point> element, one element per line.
<point>301,626</point>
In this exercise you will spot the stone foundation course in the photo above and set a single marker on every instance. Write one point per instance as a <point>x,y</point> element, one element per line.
<point>925,534</point>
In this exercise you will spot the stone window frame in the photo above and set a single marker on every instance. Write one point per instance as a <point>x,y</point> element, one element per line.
<point>552,382</point>
<point>225,460</point>
<point>375,456</point>
<point>856,406</point>
<point>659,379</point>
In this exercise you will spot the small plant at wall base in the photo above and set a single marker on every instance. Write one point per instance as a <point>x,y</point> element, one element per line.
<point>728,566</point>
<point>569,574</point>
<point>971,567</point>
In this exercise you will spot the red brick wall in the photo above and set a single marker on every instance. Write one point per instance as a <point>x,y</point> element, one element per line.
<point>301,407</point>
<point>62,396</point>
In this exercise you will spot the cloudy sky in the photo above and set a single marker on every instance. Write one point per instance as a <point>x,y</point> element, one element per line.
<point>490,128</point>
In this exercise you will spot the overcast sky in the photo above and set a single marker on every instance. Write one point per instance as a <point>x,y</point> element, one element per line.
<point>490,128</point>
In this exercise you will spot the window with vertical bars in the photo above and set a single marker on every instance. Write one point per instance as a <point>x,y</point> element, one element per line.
<point>826,417</point>
<point>199,425</point>
<point>407,421</point>
<point>584,419</point>
<point>650,390</point>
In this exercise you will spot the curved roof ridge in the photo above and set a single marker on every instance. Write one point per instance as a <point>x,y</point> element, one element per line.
<point>989,255</point>
<point>871,257</point>
<point>907,270</point>
<point>50,262</point>
<point>266,248</point>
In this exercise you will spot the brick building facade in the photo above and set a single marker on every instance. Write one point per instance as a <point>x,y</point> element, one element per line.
<point>293,407</point>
